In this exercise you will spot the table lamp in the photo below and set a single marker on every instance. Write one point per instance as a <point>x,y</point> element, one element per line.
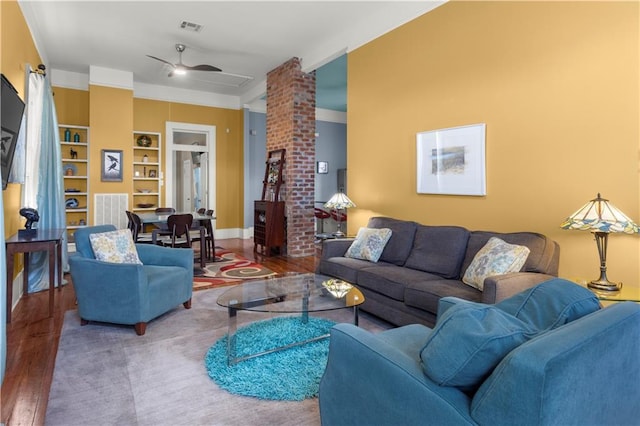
<point>339,201</point>
<point>601,218</point>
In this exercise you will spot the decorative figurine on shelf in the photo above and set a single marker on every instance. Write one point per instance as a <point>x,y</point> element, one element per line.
<point>145,158</point>
<point>67,135</point>
<point>76,137</point>
<point>74,154</point>
<point>32,216</point>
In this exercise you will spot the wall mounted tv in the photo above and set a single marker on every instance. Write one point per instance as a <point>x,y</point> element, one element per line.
<point>11,109</point>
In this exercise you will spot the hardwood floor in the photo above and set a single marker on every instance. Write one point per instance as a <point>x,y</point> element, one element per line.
<point>32,339</point>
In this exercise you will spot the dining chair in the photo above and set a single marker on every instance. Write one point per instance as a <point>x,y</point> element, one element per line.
<point>208,243</point>
<point>136,228</point>
<point>201,210</point>
<point>179,226</point>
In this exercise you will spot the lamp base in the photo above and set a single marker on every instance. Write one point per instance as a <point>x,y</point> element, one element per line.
<point>604,285</point>
<point>339,234</point>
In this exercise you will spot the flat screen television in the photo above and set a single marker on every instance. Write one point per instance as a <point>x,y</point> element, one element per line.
<point>11,109</point>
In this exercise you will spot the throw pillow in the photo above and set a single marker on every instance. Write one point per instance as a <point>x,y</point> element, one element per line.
<point>114,247</point>
<point>369,244</point>
<point>468,342</point>
<point>495,258</point>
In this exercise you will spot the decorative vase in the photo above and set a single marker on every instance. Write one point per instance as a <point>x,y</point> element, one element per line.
<point>76,137</point>
<point>67,135</point>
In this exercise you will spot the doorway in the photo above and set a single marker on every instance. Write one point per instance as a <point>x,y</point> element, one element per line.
<point>190,165</point>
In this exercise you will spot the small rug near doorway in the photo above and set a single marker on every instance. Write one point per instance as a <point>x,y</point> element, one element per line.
<point>229,268</point>
<point>289,375</point>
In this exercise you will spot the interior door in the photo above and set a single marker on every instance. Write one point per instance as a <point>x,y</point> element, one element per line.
<point>187,186</point>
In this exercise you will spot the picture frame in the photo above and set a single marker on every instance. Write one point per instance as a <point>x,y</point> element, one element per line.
<point>111,165</point>
<point>322,167</point>
<point>153,173</point>
<point>452,161</point>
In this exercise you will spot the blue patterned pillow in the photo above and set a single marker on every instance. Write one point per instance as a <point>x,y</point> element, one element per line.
<point>369,244</point>
<point>495,258</point>
<point>114,247</point>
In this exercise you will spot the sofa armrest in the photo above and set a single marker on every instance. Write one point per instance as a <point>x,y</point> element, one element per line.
<point>369,381</point>
<point>150,254</point>
<point>500,287</point>
<point>335,248</point>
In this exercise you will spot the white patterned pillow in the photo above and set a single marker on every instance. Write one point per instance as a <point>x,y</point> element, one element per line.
<point>495,258</point>
<point>369,244</point>
<point>114,247</point>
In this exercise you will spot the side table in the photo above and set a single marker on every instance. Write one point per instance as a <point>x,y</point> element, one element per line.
<point>49,240</point>
<point>627,293</point>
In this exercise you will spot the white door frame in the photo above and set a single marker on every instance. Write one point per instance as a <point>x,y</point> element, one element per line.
<point>209,196</point>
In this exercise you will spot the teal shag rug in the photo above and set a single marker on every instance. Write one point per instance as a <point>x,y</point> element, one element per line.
<point>292,374</point>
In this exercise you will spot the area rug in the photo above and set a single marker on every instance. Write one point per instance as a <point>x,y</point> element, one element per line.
<point>229,268</point>
<point>292,374</point>
<point>107,375</point>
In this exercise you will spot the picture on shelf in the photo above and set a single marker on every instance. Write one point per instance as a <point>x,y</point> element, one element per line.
<point>152,173</point>
<point>111,165</point>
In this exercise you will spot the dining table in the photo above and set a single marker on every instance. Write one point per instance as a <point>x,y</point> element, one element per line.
<point>159,219</point>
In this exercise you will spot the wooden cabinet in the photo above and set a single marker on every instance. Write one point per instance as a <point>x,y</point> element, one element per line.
<point>146,170</point>
<point>269,227</point>
<point>269,223</point>
<point>74,147</point>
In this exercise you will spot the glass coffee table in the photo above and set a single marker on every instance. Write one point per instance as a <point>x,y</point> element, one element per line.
<point>291,294</point>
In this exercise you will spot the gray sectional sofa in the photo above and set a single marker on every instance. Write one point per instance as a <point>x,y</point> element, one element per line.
<point>420,264</point>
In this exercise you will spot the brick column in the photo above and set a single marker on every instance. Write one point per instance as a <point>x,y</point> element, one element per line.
<point>291,124</point>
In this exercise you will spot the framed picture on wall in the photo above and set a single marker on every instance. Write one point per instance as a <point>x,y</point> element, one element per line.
<point>111,162</point>
<point>452,161</point>
<point>323,167</point>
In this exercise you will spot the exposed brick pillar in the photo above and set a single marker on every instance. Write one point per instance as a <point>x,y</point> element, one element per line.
<point>291,124</point>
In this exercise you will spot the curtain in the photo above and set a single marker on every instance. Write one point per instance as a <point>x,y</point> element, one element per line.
<point>44,187</point>
<point>3,298</point>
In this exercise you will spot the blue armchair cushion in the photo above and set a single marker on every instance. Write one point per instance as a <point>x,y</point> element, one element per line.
<point>468,341</point>
<point>369,244</point>
<point>114,247</point>
<point>551,304</point>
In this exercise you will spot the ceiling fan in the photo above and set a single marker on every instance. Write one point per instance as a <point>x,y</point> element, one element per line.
<point>181,68</point>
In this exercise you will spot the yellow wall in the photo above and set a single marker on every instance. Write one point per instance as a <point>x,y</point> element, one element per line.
<point>557,85</point>
<point>150,115</point>
<point>16,51</point>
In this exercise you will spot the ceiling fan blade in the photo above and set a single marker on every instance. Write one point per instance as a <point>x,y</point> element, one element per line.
<point>162,60</point>
<point>203,68</point>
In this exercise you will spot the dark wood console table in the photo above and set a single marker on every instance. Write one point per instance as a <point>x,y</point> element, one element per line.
<point>49,240</point>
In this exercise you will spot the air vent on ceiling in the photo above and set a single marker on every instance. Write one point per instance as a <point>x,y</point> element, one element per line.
<point>190,26</point>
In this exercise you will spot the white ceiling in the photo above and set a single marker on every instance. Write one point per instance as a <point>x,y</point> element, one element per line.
<point>242,38</point>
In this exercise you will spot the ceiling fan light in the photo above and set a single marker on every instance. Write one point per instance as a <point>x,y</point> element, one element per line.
<point>179,71</point>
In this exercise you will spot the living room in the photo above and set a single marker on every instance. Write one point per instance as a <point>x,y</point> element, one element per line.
<point>557,85</point>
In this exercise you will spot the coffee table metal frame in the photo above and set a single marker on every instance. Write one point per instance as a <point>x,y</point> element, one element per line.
<point>296,293</point>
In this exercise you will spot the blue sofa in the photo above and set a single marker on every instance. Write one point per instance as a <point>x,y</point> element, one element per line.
<point>130,294</point>
<point>578,365</point>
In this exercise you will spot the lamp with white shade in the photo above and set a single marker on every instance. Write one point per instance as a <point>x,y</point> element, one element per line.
<point>601,218</point>
<point>339,201</point>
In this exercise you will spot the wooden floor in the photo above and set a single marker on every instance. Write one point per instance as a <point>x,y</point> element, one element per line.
<point>32,340</point>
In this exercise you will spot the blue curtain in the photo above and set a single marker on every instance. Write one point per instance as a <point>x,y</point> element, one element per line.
<point>50,192</point>
<point>3,298</point>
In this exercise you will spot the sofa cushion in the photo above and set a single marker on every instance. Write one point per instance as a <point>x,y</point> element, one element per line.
<point>468,341</point>
<point>390,280</point>
<point>344,268</point>
<point>551,304</point>
<point>495,258</point>
<point>114,247</point>
<point>426,294</point>
<point>439,250</point>
<point>399,245</point>
<point>369,244</point>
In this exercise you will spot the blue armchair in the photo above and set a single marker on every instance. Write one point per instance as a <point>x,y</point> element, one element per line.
<point>580,370</point>
<point>129,293</point>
